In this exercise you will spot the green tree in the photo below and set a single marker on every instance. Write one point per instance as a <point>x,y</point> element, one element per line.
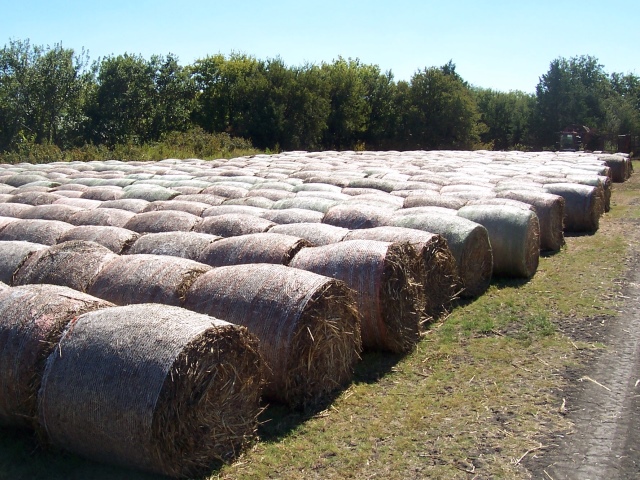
<point>506,115</point>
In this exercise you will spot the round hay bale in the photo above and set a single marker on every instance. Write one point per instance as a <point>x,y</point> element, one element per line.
<point>35,198</point>
<point>13,253</point>
<point>292,215</point>
<point>51,212</point>
<point>253,248</point>
<point>322,177</point>
<point>162,221</point>
<point>441,273</point>
<point>200,198</point>
<point>387,279</point>
<point>14,209</point>
<point>106,217</point>
<point>259,202</point>
<point>353,192</point>
<point>71,264</point>
<point>317,187</point>
<point>468,242</point>
<point>194,208</point>
<point>383,199</point>
<point>232,225</point>
<point>32,318</point>
<point>583,205</point>
<point>375,183</point>
<point>83,203</point>
<point>550,211</point>
<point>316,233</point>
<point>152,387</point>
<point>427,210</point>
<point>189,245</point>
<point>134,205</point>
<point>4,221</point>
<point>188,189</point>
<point>433,199</point>
<point>103,194</point>
<point>130,279</point>
<point>600,182</point>
<point>116,239</point>
<point>270,193</point>
<point>308,203</point>
<point>514,234</point>
<point>356,216</point>
<point>45,232</point>
<point>20,179</point>
<point>619,165</point>
<point>150,193</point>
<point>226,209</point>
<point>307,325</point>
<point>335,196</point>
<point>68,194</point>
<point>227,191</point>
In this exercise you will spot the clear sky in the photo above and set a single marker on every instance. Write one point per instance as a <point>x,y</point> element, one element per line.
<point>499,44</point>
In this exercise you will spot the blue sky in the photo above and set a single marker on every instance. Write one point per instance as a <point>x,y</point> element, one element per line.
<point>494,44</point>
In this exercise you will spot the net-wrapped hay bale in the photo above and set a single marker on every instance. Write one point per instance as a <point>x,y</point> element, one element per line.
<point>135,205</point>
<point>71,264</point>
<point>259,202</point>
<point>583,205</point>
<point>468,242</point>
<point>232,225</point>
<point>292,215</point>
<point>253,248</point>
<point>514,234</point>
<point>45,232</point>
<point>152,387</point>
<point>201,198</point>
<point>315,233</point>
<point>150,193</point>
<point>162,221</point>
<point>52,211</point>
<point>388,281</point>
<point>14,209</point>
<point>103,193</point>
<point>106,217</point>
<point>598,181</point>
<point>35,198</point>
<point>32,318</point>
<point>189,245</point>
<point>308,203</point>
<point>550,211</point>
<point>434,199</point>
<point>307,325</point>
<point>116,239</point>
<point>356,216</point>
<point>194,208</point>
<point>83,203</point>
<point>144,278</point>
<point>441,283</point>
<point>13,253</point>
<point>619,166</point>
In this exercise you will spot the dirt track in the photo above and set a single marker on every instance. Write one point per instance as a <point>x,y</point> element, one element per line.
<point>603,400</point>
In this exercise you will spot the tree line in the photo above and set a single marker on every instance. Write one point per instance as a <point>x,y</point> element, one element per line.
<point>57,96</point>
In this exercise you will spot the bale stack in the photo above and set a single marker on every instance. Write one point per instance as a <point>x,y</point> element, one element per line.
<point>387,278</point>
<point>307,325</point>
<point>152,387</point>
<point>32,318</point>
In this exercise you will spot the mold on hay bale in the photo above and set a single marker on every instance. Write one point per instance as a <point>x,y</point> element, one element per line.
<point>32,318</point>
<point>253,248</point>
<point>162,221</point>
<point>388,281</point>
<point>152,387</point>
<point>317,234</point>
<point>468,242</point>
<point>106,217</point>
<point>71,264</point>
<point>45,232</point>
<point>307,325</point>
<point>13,253</point>
<point>514,234</point>
<point>232,225</point>
<point>116,239</point>
<point>145,278</point>
<point>191,245</point>
<point>441,280</point>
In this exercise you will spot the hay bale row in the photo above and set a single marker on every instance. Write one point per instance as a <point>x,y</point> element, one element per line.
<point>387,279</point>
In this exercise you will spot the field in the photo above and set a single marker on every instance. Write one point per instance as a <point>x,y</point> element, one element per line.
<point>481,396</point>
